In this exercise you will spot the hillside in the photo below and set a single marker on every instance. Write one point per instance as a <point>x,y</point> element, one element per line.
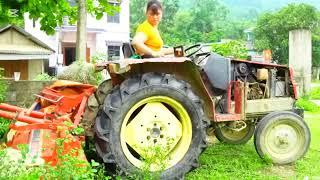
<point>250,9</point>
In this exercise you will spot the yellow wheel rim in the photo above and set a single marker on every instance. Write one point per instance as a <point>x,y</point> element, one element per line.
<point>157,121</point>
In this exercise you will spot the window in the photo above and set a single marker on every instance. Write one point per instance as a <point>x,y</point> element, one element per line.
<point>114,52</point>
<point>116,17</point>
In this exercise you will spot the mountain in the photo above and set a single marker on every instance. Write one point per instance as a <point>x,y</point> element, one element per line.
<point>250,9</point>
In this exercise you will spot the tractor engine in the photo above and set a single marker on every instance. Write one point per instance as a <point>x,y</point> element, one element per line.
<point>263,81</point>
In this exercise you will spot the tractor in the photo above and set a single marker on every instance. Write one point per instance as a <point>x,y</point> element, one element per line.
<point>169,102</point>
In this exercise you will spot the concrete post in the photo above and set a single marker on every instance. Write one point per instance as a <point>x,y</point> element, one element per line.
<point>300,58</point>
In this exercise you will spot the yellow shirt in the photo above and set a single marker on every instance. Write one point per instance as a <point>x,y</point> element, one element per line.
<point>154,40</point>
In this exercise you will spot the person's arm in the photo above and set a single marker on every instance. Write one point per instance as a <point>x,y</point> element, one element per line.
<point>138,43</point>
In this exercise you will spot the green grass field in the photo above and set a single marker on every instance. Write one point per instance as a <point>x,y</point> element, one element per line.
<point>221,161</point>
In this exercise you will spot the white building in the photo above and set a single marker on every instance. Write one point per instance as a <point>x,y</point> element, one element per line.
<point>103,36</point>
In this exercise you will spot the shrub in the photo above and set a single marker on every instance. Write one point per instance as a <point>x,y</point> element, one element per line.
<point>4,126</point>
<point>99,58</point>
<point>44,77</point>
<point>235,49</point>
<point>315,93</point>
<point>79,71</point>
<point>13,166</point>
<point>307,105</point>
<point>3,89</point>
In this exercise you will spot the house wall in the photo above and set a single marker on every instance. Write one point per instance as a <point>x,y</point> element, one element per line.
<point>51,40</point>
<point>12,66</point>
<point>71,37</point>
<point>12,37</point>
<point>101,33</point>
<point>35,67</point>
<point>114,31</point>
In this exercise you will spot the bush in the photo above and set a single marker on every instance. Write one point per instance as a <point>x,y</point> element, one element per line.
<point>13,166</point>
<point>3,89</point>
<point>235,49</point>
<point>79,71</point>
<point>99,58</point>
<point>307,105</point>
<point>44,77</point>
<point>4,126</point>
<point>315,93</point>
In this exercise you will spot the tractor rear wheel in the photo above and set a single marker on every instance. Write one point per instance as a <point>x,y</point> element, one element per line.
<point>152,114</point>
<point>229,134</point>
<point>283,137</point>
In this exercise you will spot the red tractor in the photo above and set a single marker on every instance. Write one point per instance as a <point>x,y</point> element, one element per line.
<point>170,102</point>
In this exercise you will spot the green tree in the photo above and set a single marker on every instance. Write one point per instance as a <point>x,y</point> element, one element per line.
<point>191,21</point>
<point>202,22</point>
<point>137,15</point>
<point>272,30</point>
<point>10,14</point>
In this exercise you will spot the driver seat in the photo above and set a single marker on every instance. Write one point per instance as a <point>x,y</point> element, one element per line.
<point>128,50</point>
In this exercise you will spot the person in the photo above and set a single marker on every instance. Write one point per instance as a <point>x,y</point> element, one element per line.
<point>147,40</point>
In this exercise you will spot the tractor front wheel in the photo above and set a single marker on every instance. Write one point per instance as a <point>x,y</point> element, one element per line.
<point>282,137</point>
<point>152,121</point>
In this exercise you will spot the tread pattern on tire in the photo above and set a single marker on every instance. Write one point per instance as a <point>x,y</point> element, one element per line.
<point>120,95</point>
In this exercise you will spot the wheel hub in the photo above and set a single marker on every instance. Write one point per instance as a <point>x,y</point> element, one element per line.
<point>155,132</point>
<point>143,132</point>
<point>162,127</point>
<point>284,138</point>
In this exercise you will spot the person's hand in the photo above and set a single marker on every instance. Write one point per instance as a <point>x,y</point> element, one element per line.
<point>157,54</point>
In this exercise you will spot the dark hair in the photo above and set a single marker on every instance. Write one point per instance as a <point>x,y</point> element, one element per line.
<point>154,6</point>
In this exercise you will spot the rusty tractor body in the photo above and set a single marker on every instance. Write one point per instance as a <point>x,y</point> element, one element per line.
<point>170,103</point>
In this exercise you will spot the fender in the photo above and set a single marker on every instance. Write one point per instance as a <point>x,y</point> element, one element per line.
<point>183,68</point>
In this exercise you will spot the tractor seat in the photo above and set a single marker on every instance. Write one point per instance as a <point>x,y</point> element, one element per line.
<point>128,50</point>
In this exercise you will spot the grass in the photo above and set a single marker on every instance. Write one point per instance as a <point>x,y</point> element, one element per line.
<point>315,93</point>
<point>306,104</point>
<point>221,161</point>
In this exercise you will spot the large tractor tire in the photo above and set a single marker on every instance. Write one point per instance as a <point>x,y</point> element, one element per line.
<point>228,134</point>
<point>148,111</point>
<point>282,137</point>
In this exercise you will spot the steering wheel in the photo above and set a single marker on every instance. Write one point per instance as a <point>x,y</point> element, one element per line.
<point>196,47</point>
<point>199,57</point>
